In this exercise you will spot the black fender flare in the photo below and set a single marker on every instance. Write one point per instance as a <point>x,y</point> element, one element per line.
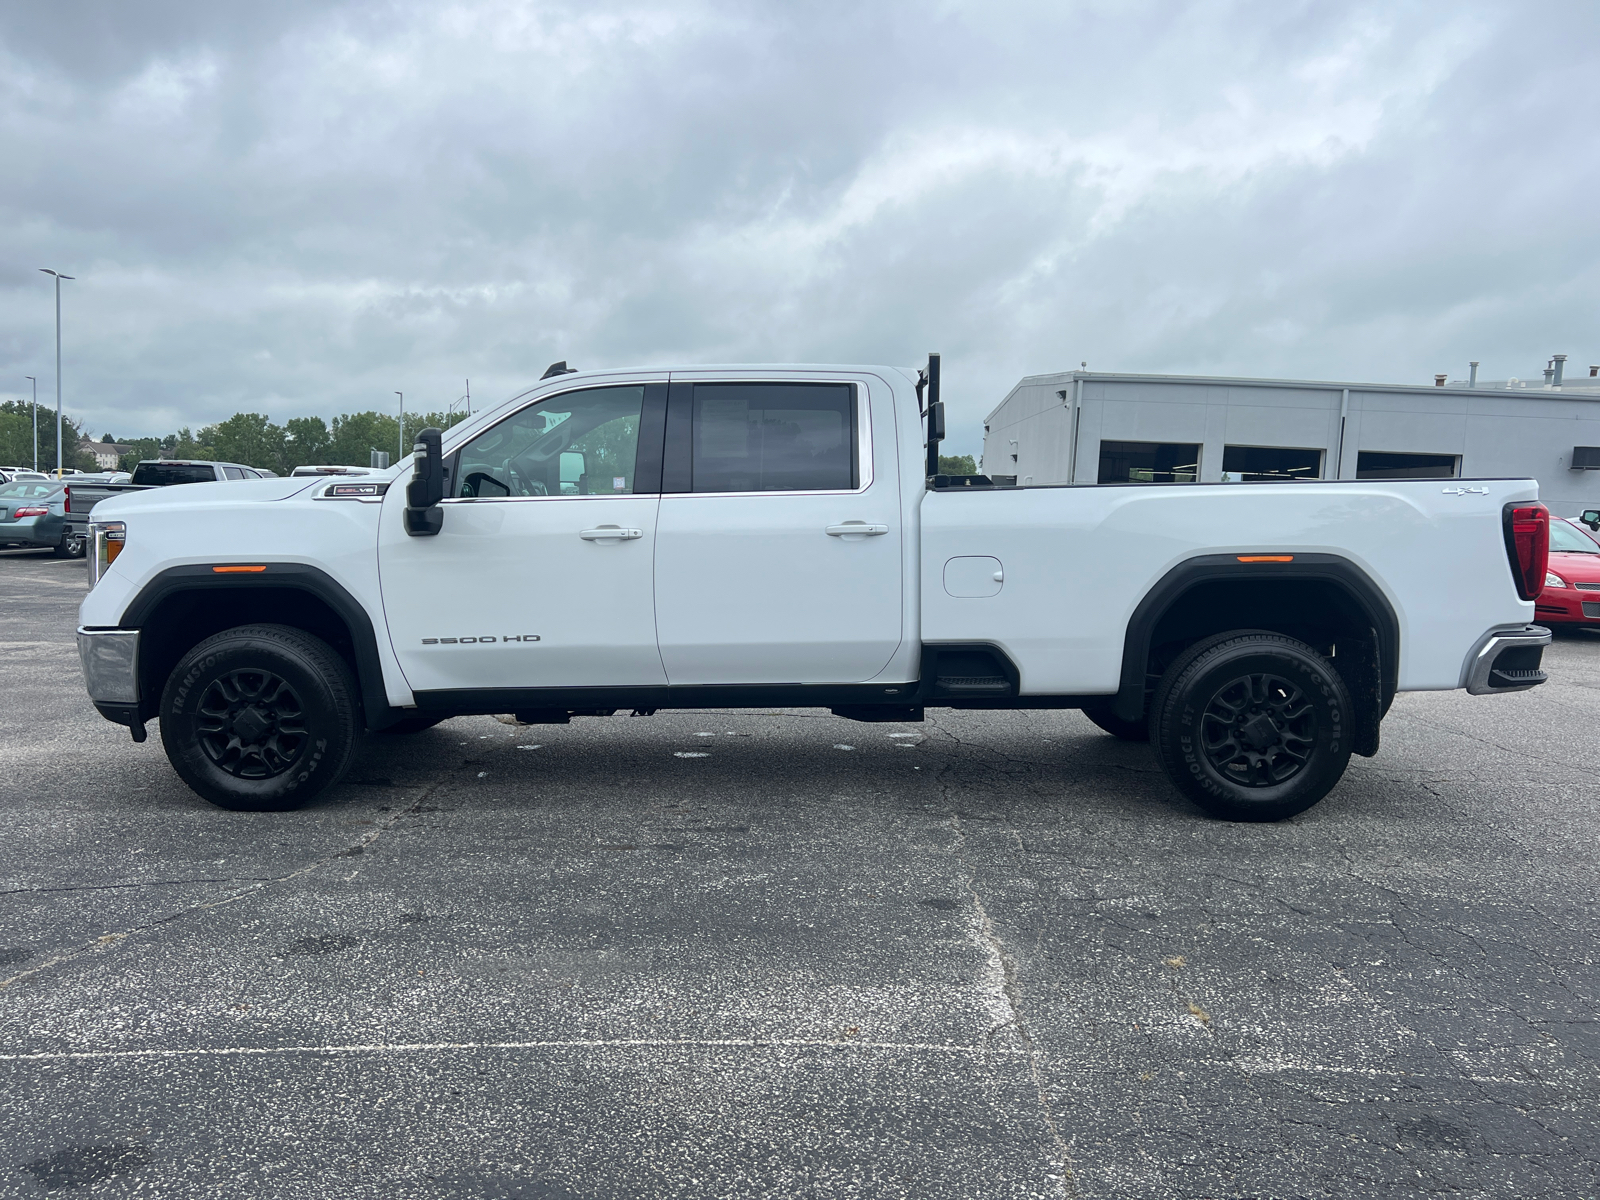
<point>1210,568</point>
<point>301,577</point>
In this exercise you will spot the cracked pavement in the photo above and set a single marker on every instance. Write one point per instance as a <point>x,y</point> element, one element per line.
<point>722,955</point>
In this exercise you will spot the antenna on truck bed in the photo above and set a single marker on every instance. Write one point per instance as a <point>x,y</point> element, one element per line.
<point>928,378</point>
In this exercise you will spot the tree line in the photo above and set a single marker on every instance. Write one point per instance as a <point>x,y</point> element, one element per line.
<point>251,439</point>
<point>16,438</point>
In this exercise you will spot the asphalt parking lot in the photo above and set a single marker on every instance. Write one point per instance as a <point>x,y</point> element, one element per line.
<point>780,954</point>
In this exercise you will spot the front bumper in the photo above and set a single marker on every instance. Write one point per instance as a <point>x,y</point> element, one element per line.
<point>110,660</point>
<point>1570,606</point>
<point>1508,661</point>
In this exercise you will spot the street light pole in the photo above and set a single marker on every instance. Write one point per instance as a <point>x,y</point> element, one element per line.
<point>59,277</point>
<point>402,448</point>
<point>35,422</point>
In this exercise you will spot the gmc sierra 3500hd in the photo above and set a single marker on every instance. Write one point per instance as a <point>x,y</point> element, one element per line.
<point>727,537</point>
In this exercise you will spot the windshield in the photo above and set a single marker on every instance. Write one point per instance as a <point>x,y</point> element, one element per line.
<point>1566,538</point>
<point>167,474</point>
<point>29,491</point>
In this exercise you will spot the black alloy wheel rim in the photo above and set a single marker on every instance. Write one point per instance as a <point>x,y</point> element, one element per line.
<point>251,724</point>
<point>1258,731</point>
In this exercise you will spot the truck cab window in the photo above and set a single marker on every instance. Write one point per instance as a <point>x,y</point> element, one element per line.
<point>764,437</point>
<point>581,443</point>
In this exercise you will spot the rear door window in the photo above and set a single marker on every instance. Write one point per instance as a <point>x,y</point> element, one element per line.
<point>774,437</point>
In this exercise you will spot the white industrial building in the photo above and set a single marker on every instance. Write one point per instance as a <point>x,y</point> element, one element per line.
<point>1094,427</point>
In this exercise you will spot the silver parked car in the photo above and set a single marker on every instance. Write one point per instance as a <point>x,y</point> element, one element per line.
<point>33,513</point>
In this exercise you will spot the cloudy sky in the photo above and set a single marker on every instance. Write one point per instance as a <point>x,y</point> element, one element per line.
<point>297,208</point>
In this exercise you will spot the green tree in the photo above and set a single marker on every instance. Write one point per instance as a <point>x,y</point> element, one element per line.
<point>251,439</point>
<point>959,464</point>
<point>183,444</point>
<point>140,449</point>
<point>307,443</point>
<point>16,438</point>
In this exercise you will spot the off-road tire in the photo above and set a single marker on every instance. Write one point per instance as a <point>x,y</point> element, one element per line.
<point>411,725</point>
<point>1127,731</point>
<point>260,718</point>
<point>1252,726</point>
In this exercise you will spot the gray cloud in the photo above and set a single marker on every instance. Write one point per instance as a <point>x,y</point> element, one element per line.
<point>300,208</point>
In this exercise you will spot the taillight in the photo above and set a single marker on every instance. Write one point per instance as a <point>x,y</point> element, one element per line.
<point>69,499</point>
<point>31,512</point>
<point>1527,529</point>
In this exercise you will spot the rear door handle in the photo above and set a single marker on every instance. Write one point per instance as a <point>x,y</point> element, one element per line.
<point>608,533</point>
<point>857,528</point>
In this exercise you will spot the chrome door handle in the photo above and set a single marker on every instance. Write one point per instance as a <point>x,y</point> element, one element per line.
<point>608,533</point>
<point>858,528</point>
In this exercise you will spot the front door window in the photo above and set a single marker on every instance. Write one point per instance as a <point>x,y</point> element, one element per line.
<point>579,444</point>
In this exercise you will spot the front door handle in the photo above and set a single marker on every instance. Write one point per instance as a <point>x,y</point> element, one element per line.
<point>609,533</point>
<point>856,528</point>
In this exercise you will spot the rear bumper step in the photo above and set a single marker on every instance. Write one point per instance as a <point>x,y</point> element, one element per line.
<point>1508,661</point>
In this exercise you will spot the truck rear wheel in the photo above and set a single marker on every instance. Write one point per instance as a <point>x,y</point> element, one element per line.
<point>1252,726</point>
<point>260,718</point>
<point>69,547</point>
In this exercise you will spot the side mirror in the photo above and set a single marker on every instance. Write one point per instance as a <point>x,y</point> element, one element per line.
<point>424,517</point>
<point>1591,518</point>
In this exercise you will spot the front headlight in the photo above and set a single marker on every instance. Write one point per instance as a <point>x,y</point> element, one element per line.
<point>1551,579</point>
<point>108,538</point>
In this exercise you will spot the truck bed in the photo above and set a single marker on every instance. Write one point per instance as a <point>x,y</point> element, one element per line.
<point>1078,560</point>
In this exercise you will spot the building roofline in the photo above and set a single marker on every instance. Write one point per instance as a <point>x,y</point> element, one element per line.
<point>1577,392</point>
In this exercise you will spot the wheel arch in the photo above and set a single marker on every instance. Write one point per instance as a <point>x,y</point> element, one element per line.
<point>1323,599</point>
<point>182,606</point>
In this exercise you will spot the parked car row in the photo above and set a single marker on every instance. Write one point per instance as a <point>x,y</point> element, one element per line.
<point>1571,594</point>
<point>38,511</point>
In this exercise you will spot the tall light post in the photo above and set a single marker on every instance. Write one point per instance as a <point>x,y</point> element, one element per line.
<point>35,383</point>
<point>58,277</point>
<point>467,400</point>
<point>402,450</point>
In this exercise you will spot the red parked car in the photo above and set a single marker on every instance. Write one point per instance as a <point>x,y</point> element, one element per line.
<point>1571,593</point>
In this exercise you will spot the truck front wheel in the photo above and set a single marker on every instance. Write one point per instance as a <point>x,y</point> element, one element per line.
<point>259,718</point>
<point>1252,726</point>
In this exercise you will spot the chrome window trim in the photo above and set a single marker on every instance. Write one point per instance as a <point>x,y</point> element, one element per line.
<point>864,441</point>
<point>543,499</point>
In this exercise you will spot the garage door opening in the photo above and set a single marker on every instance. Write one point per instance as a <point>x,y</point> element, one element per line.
<point>1269,464</point>
<point>1149,462</point>
<point>1375,464</point>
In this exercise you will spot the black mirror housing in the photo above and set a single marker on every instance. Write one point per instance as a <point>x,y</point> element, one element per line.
<point>1591,518</point>
<point>424,517</point>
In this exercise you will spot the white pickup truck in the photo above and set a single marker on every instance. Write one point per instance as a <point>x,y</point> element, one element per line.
<point>728,537</point>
